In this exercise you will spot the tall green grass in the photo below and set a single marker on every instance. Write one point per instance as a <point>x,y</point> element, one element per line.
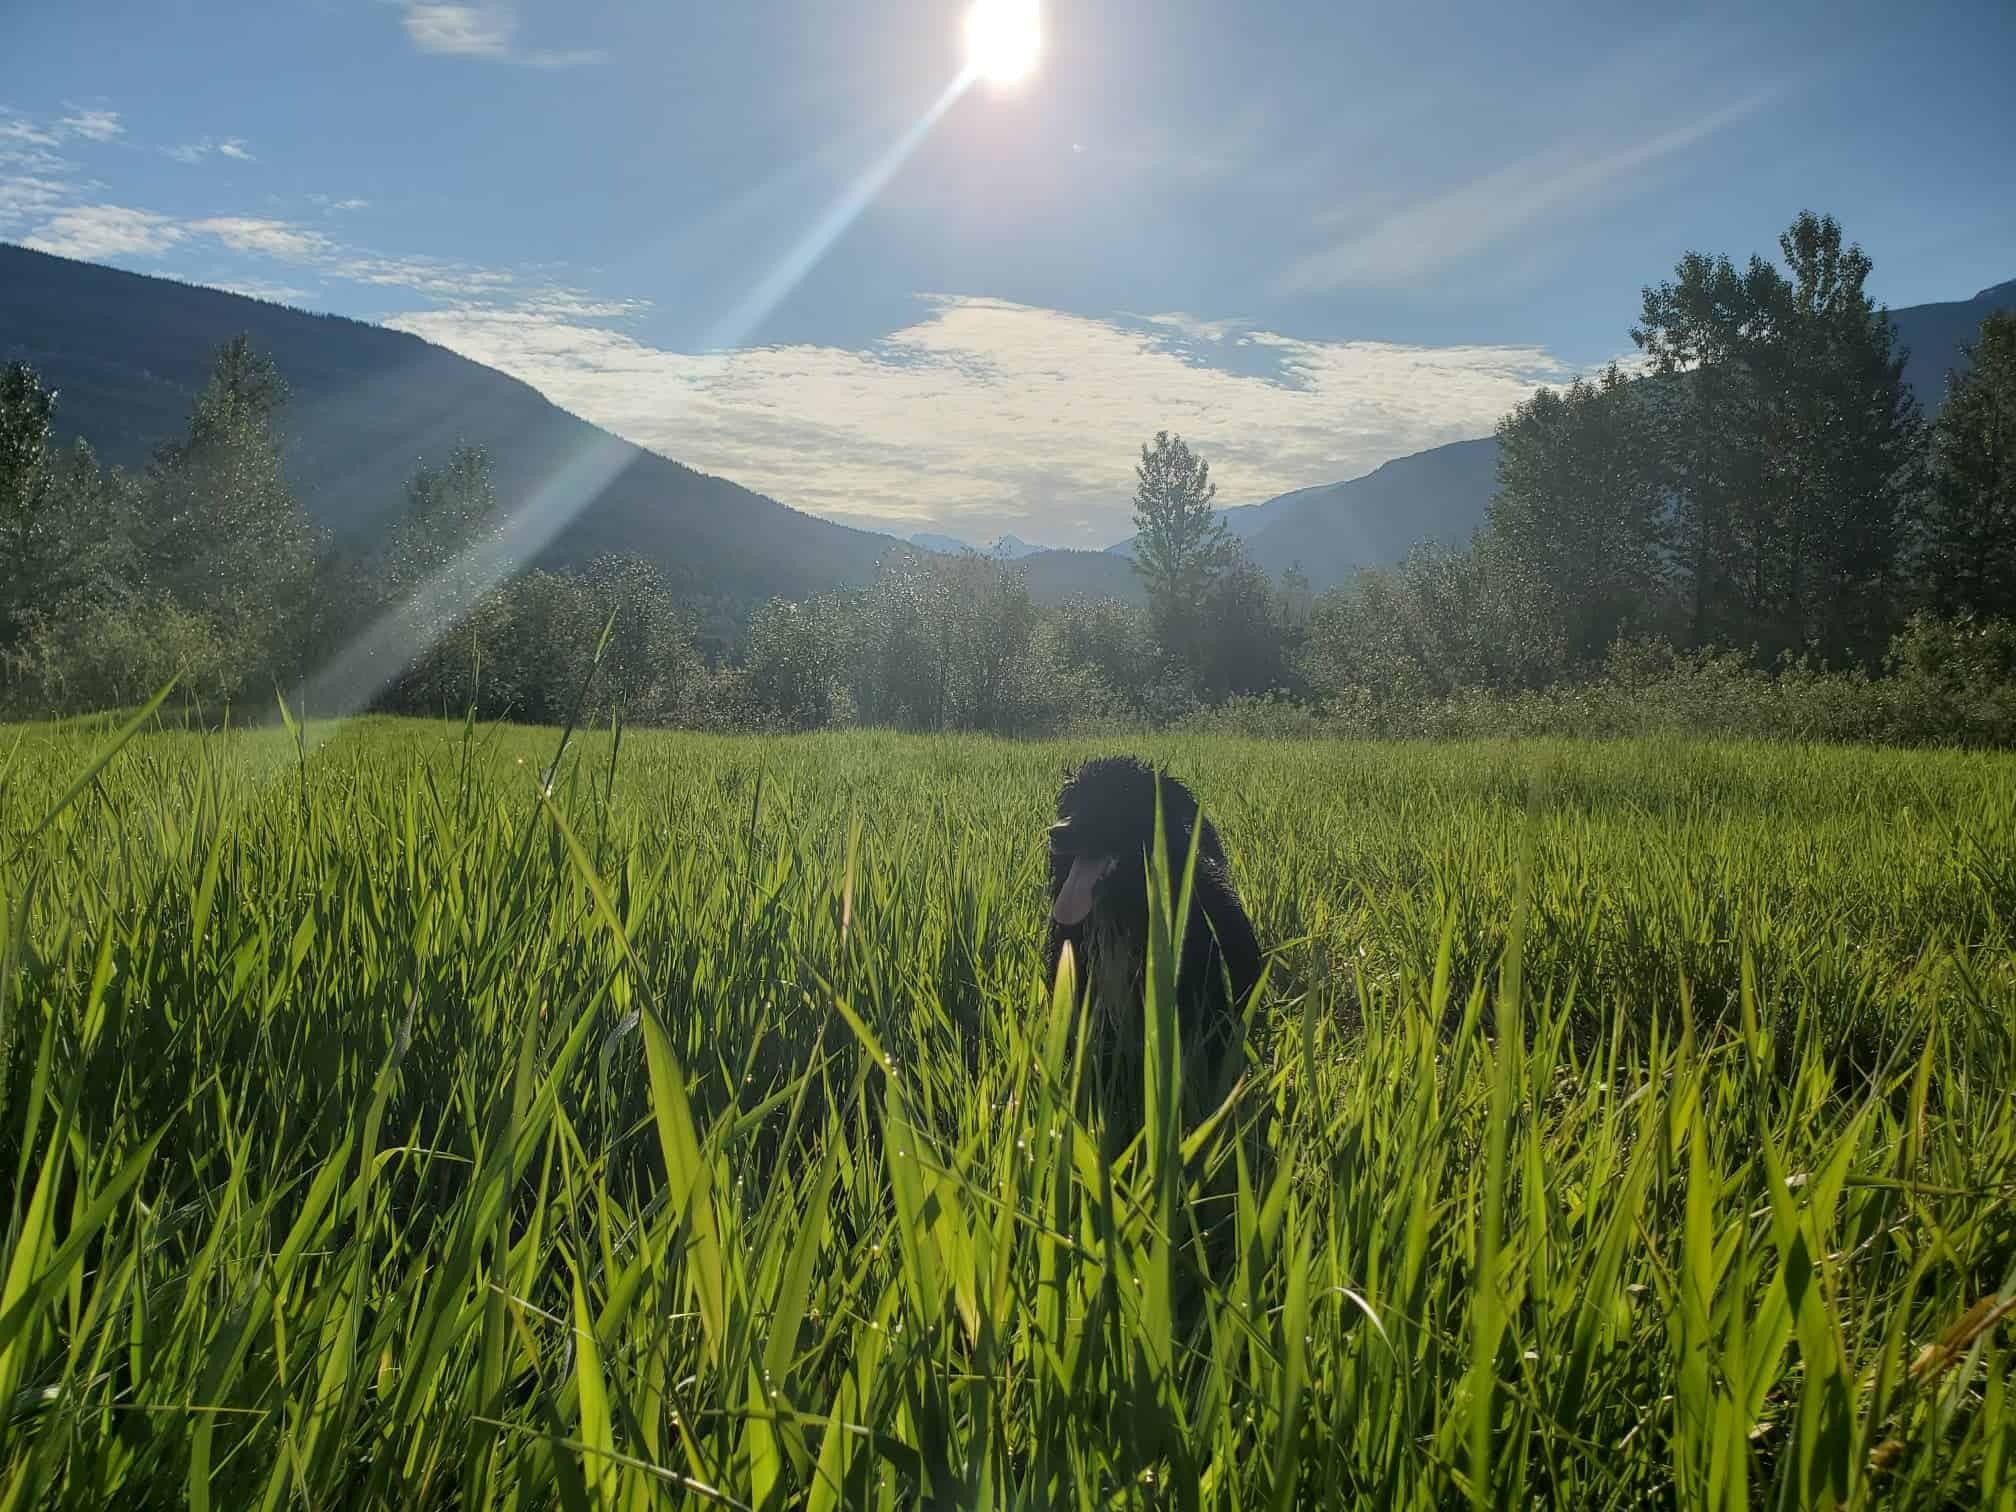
<point>1622,1125</point>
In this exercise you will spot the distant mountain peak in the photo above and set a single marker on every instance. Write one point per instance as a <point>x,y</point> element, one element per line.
<point>1007,548</point>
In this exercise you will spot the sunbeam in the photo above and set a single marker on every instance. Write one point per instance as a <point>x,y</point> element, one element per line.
<point>348,684</point>
<point>748,313</point>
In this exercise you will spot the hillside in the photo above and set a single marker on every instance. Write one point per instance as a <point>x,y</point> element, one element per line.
<point>128,353</point>
<point>1936,332</point>
<point>1331,530</point>
<point>1007,548</point>
<point>1056,575</point>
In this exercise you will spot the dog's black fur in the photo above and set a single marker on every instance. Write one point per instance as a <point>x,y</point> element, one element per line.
<point>1106,814</point>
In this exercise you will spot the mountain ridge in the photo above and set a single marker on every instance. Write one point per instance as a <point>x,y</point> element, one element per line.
<point>128,352</point>
<point>367,404</point>
<point>1330,530</point>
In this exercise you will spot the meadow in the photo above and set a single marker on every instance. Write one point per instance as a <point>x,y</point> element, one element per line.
<point>1623,1124</point>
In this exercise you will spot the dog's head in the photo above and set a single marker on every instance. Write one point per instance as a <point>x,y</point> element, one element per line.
<point>1105,833</point>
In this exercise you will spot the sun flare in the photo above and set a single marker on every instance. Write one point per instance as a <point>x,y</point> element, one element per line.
<point>1003,38</point>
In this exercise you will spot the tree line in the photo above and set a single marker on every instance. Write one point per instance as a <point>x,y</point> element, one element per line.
<point>1767,486</point>
<point>1761,497</point>
<point>205,567</point>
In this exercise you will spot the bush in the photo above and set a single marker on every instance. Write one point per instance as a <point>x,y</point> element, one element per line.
<point>1947,683</point>
<point>1952,682</point>
<point>103,656</point>
<point>1256,716</point>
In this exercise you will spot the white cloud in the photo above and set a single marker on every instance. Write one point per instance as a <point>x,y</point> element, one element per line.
<point>267,238</point>
<point>26,197</point>
<point>570,304</point>
<point>94,125</point>
<point>472,31</point>
<point>986,417</point>
<point>1400,246</point>
<point>195,152</point>
<point>422,275</point>
<point>103,231</point>
<point>1193,328</point>
<point>35,181</point>
<point>16,133</point>
<point>341,206</point>
<point>100,231</point>
<point>486,29</point>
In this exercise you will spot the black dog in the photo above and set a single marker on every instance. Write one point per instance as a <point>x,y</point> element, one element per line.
<point>1100,849</point>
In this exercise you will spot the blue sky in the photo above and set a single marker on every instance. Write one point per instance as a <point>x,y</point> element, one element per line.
<point>1309,236</point>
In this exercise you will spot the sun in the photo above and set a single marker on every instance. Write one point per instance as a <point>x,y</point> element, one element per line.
<point>1003,38</point>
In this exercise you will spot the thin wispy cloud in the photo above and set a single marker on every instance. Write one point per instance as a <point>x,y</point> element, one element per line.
<point>484,30</point>
<point>986,416</point>
<point>265,237</point>
<point>105,231</point>
<point>338,206</point>
<point>94,125</point>
<point>100,231</point>
<point>1400,247</point>
<point>233,148</point>
<point>29,162</point>
<point>35,180</point>
<point>17,134</point>
<point>26,198</point>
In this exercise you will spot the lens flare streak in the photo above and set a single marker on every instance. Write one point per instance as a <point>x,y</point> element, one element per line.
<point>734,328</point>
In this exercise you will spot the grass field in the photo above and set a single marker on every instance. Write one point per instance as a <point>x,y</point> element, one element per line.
<point>1625,1125</point>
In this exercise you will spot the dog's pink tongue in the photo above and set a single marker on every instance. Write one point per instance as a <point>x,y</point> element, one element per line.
<point>1074,898</point>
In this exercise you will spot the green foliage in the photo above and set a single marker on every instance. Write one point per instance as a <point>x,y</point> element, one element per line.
<point>1111,641</point>
<point>1180,546</point>
<point>433,568</point>
<point>66,532</point>
<point>223,533</point>
<point>1952,682</point>
<point>935,643</point>
<point>1250,646</point>
<point>1790,446</point>
<point>1623,1124</point>
<point>112,653</point>
<point>25,549</point>
<point>798,655</point>
<point>1969,551</point>
<point>1442,621</point>
<point>1580,511</point>
<point>1943,684</point>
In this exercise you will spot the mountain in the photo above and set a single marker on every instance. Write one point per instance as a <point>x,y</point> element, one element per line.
<point>1052,574</point>
<point>1332,530</point>
<point>1056,575</point>
<point>1007,549</point>
<point>1328,532</point>
<point>1936,332</point>
<point>1244,520</point>
<point>127,355</point>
